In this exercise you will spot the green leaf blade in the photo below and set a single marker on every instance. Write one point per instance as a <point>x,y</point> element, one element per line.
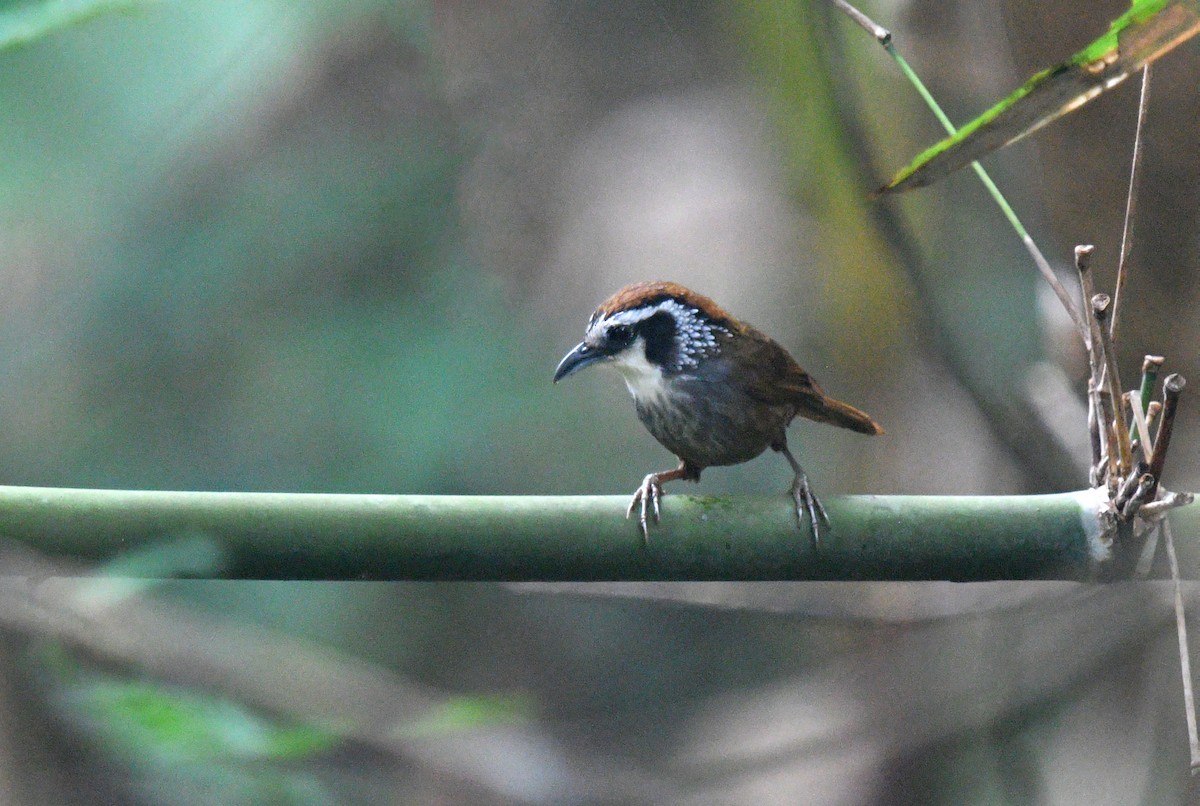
<point>1150,29</point>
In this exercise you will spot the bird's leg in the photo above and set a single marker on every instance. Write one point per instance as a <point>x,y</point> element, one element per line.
<point>649,494</point>
<point>806,500</point>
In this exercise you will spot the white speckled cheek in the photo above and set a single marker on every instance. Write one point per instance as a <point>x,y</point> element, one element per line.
<point>697,335</point>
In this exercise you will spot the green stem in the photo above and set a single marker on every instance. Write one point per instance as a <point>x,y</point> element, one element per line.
<point>1151,365</point>
<point>414,537</point>
<point>1030,245</point>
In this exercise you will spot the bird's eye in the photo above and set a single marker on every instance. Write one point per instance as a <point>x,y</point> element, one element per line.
<point>620,334</point>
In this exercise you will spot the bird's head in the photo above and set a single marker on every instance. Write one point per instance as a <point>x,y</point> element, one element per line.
<point>648,331</point>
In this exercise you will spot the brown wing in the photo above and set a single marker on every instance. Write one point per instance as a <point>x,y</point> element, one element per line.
<point>769,374</point>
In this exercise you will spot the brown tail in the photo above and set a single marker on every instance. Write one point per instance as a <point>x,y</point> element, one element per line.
<point>843,415</point>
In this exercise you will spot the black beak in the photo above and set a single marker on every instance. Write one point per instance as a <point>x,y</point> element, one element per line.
<point>577,359</point>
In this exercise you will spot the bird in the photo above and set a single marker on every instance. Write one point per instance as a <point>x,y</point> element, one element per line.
<point>711,389</point>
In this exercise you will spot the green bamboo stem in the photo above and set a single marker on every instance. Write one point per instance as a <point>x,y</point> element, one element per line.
<point>414,537</point>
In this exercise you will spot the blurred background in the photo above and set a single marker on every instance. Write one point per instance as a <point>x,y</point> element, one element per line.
<point>340,247</point>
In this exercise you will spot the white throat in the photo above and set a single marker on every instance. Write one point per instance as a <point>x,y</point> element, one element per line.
<point>645,380</point>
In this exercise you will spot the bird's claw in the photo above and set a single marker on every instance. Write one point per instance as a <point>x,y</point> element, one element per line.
<point>647,495</point>
<point>807,501</point>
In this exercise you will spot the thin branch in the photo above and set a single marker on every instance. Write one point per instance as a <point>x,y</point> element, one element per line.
<point>1145,439</point>
<point>1101,309</point>
<point>1049,463</point>
<point>1152,412</point>
<point>1130,201</point>
<point>884,37</point>
<point>1031,246</point>
<point>1151,365</point>
<point>1097,430</point>
<point>881,34</point>
<point>1172,389</point>
<point>1185,661</point>
<point>1139,403</point>
<point>1134,500</point>
<point>1167,502</point>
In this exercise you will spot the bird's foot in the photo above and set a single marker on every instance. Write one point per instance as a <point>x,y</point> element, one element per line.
<point>807,502</point>
<point>648,495</point>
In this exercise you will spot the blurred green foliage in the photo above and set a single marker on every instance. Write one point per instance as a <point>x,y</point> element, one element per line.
<point>22,23</point>
<point>233,259</point>
<point>143,718</point>
<point>468,713</point>
<point>177,745</point>
<point>266,296</point>
<point>236,263</point>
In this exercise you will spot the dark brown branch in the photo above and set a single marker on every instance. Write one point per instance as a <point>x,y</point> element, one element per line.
<point>1097,435</point>
<point>1101,309</point>
<point>1172,389</point>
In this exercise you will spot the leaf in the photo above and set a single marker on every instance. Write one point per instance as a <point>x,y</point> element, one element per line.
<point>460,714</point>
<point>1144,33</point>
<point>142,717</point>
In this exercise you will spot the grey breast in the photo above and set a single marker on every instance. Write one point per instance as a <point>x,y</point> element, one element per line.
<point>701,423</point>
